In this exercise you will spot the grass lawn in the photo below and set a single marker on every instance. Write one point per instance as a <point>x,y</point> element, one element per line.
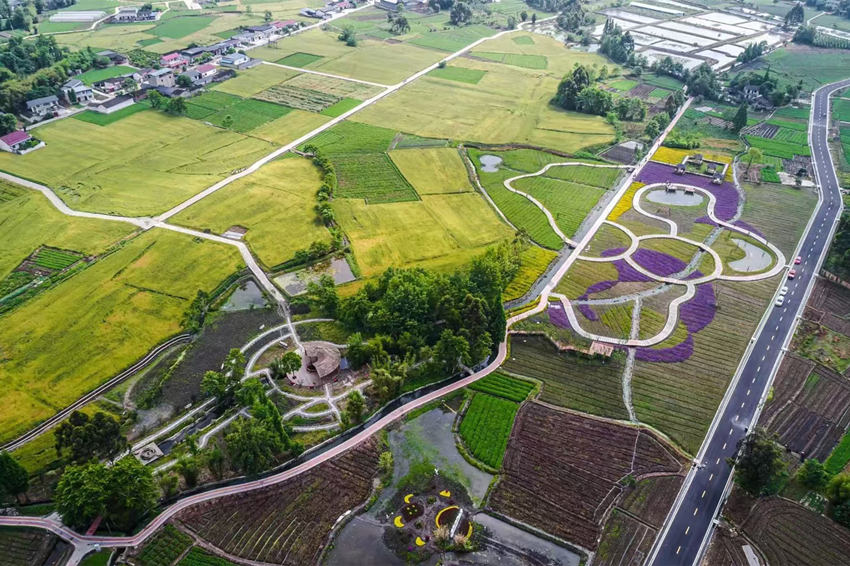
<point>251,81</point>
<point>73,337</point>
<point>106,119</point>
<point>248,114</point>
<point>523,40</point>
<point>353,137</point>
<point>432,170</point>
<point>176,28</point>
<point>453,39</point>
<point>509,104</point>
<point>623,84</point>
<point>659,93</point>
<point>459,74</point>
<point>166,158</point>
<point>28,220</point>
<point>299,59</point>
<point>814,66</point>
<point>95,75</point>
<point>440,231</point>
<point>275,204</point>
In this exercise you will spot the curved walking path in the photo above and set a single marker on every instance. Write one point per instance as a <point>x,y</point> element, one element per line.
<point>690,284</point>
<point>508,183</point>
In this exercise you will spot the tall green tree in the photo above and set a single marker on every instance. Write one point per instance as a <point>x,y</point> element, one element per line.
<point>740,119</point>
<point>813,475</point>
<point>460,13</point>
<point>354,407</point>
<point>451,351</point>
<point>795,15</point>
<point>82,438</point>
<point>252,447</point>
<point>14,479</point>
<point>760,469</point>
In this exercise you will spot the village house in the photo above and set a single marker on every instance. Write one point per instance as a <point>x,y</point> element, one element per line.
<point>161,77</point>
<point>16,141</point>
<point>127,14</point>
<point>235,60</point>
<point>206,71</point>
<point>114,57</point>
<point>172,61</point>
<point>216,49</point>
<point>113,104</point>
<point>76,90</point>
<point>286,26</point>
<point>41,107</point>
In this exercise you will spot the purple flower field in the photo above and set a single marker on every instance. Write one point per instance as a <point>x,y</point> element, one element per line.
<point>678,353</point>
<point>588,312</point>
<point>657,262</point>
<point>558,317</point>
<point>706,220</point>
<point>727,197</point>
<point>698,313</point>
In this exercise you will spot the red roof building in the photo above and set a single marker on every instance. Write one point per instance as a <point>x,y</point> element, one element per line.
<point>12,140</point>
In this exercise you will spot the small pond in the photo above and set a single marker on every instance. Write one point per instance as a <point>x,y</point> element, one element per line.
<point>490,163</point>
<point>755,258</point>
<point>676,198</point>
<point>295,282</point>
<point>245,297</point>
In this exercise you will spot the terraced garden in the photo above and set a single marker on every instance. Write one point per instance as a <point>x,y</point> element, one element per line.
<point>590,458</point>
<point>288,522</point>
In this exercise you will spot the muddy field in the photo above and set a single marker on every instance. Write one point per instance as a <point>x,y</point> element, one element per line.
<point>589,456</point>
<point>287,523</point>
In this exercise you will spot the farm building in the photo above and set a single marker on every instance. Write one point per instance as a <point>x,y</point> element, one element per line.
<point>113,104</point>
<point>43,106</point>
<point>219,48</point>
<point>14,141</point>
<point>161,77</point>
<point>77,91</point>
<point>114,57</point>
<point>172,60</point>
<point>206,70</point>
<point>235,60</point>
<point>321,359</point>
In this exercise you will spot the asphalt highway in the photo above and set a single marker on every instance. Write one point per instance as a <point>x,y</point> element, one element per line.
<point>690,523</point>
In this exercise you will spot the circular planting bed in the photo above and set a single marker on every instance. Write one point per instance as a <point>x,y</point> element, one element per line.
<point>446,518</point>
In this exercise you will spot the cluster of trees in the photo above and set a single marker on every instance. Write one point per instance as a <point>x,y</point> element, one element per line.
<point>838,260</point>
<point>752,51</point>
<point>14,479</point>
<point>32,69</point>
<point>701,81</point>
<point>811,36</point>
<point>577,91</point>
<point>460,13</point>
<point>549,5</point>
<point>768,85</point>
<point>252,444</point>
<point>121,494</point>
<point>573,17</point>
<point>175,105</point>
<point>420,321</point>
<point>81,438</point>
<point>761,471</point>
<point>398,23</point>
<point>795,15</point>
<point>660,121</point>
<point>348,36</point>
<point>619,46</point>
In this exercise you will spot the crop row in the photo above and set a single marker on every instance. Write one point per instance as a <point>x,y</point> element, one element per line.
<point>486,426</point>
<point>769,175</point>
<point>336,87</point>
<point>587,456</point>
<point>55,259</point>
<point>568,202</point>
<point>501,385</point>
<point>371,176</point>
<point>570,380</point>
<point>164,548</point>
<point>602,177</point>
<point>199,557</point>
<point>779,148</point>
<point>297,97</point>
<point>287,523</point>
